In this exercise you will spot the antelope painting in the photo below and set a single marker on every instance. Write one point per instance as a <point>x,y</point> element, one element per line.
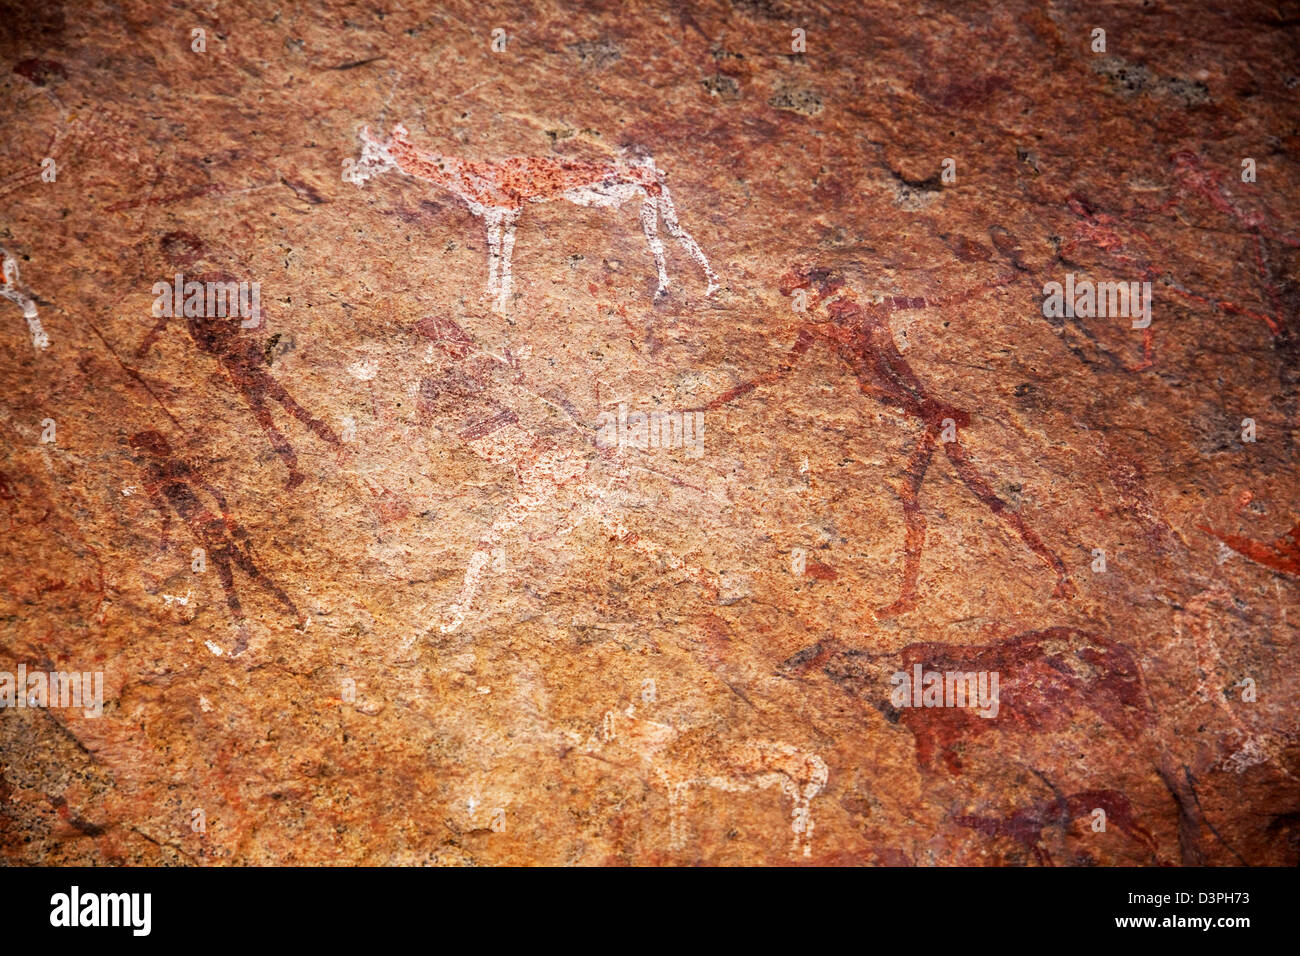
<point>11,289</point>
<point>496,193</point>
<point>627,739</point>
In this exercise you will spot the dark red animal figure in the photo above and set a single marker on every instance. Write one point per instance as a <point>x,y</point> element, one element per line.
<point>1026,825</point>
<point>1054,680</point>
<point>1047,679</point>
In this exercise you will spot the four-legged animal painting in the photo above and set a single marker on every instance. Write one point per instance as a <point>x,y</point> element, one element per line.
<point>497,192</point>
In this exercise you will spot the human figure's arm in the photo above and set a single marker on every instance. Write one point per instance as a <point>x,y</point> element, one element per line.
<point>808,334</point>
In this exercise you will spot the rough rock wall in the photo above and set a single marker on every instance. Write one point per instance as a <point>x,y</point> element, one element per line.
<point>410,563</point>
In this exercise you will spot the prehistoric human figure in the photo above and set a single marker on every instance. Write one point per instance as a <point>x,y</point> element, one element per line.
<point>861,336</point>
<point>245,360</point>
<point>173,486</point>
<point>11,289</point>
<point>496,193</point>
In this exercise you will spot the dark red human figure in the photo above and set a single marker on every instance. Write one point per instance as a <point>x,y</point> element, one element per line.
<point>244,359</point>
<point>174,486</point>
<point>860,335</point>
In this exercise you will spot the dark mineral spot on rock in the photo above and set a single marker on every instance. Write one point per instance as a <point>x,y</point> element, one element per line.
<point>721,85</point>
<point>41,72</point>
<point>596,54</point>
<point>805,102</point>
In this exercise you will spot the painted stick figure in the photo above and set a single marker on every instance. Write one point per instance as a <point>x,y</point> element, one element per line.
<point>173,486</point>
<point>496,193</point>
<point>466,391</point>
<point>11,289</point>
<point>244,359</point>
<point>863,339</point>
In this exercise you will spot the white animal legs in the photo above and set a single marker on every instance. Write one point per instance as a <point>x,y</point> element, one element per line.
<point>650,225</point>
<point>492,217</point>
<point>501,246</point>
<point>11,292</point>
<point>669,213</point>
<point>510,218</point>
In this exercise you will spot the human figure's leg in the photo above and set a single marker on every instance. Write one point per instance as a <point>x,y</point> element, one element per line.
<point>982,490</point>
<point>914,521</point>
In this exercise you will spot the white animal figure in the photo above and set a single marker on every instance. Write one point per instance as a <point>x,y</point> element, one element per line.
<point>497,192</point>
<point>744,766</point>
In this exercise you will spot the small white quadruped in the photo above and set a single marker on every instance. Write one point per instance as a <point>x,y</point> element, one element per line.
<point>12,290</point>
<point>497,192</point>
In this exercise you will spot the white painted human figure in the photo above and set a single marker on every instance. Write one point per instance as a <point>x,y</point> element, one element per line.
<point>470,390</point>
<point>12,290</point>
<point>543,471</point>
<point>497,192</point>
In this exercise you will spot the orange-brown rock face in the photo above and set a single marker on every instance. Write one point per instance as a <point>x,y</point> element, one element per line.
<point>728,433</point>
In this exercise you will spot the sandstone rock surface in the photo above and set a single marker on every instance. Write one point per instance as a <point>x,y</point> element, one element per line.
<point>448,612</point>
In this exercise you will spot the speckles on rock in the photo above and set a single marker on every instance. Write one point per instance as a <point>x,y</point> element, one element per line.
<point>561,134</point>
<point>803,101</point>
<point>767,9</point>
<point>722,86</point>
<point>596,54</point>
<point>914,194</point>
<point>1126,79</point>
<point>1132,79</point>
<point>1191,92</point>
<point>1029,159</point>
<point>834,237</point>
<point>1028,395</point>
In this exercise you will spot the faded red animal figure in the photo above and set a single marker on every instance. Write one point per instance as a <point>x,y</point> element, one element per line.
<point>1124,243</point>
<point>860,334</point>
<point>1116,239</point>
<point>1051,681</point>
<point>1046,679</point>
<point>244,359</point>
<point>1026,825</point>
<point>497,192</point>
<point>173,486</point>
